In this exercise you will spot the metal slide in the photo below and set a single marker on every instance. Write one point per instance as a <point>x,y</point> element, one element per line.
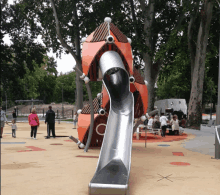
<point>113,168</point>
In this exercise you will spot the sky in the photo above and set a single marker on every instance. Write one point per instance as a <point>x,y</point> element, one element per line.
<point>64,65</point>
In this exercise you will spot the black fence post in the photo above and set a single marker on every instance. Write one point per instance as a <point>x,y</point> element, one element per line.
<point>30,110</point>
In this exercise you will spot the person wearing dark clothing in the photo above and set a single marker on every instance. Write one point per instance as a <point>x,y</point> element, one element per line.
<point>183,122</point>
<point>50,120</point>
<point>14,116</point>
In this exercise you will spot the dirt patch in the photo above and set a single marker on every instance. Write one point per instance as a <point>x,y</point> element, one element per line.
<point>59,128</point>
<point>15,148</point>
<point>20,166</point>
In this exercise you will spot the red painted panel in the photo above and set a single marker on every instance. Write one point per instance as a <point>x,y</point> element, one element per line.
<point>89,51</point>
<point>144,94</point>
<point>83,124</point>
<point>132,88</point>
<point>126,51</point>
<point>105,96</point>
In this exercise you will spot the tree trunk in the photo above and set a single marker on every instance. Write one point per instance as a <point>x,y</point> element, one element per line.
<point>190,36</point>
<point>79,82</point>
<point>195,104</point>
<point>76,56</point>
<point>149,14</point>
<point>149,77</point>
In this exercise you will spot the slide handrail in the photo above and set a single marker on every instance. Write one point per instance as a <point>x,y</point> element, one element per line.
<point>217,134</point>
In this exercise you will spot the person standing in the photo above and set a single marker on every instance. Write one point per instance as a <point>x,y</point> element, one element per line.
<point>150,122</point>
<point>175,125</point>
<point>183,122</point>
<point>156,123</point>
<point>14,116</point>
<point>3,120</point>
<point>75,120</point>
<point>50,120</point>
<point>163,121</point>
<point>33,122</point>
<point>14,128</point>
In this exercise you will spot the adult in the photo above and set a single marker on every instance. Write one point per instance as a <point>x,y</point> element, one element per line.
<point>175,125</point>
<point>16,109</point>
<point>156,122</point>
<point>150,122</point>
<point>183,122</point>
<point>163,121</point>
<point>14,116</point>
<point>3,120</point>
<point>50,120</point>
<point>33,122</point>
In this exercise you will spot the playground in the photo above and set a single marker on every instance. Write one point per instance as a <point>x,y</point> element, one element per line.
<point>57,166</point>
<point>108,152</point>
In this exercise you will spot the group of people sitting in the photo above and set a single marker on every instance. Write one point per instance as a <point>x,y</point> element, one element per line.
<point>156,122</point>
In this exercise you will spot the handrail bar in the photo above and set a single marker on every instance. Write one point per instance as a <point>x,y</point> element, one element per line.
<point>216,130</point>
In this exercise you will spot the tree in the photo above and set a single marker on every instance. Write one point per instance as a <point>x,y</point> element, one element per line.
<point>48,83</point>
<point>65,84</point>
<point>61,25</point>
<point>198,56</point>
<point>154,22</point>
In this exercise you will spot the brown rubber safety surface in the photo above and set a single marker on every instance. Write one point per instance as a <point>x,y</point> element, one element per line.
<point>55,170</point>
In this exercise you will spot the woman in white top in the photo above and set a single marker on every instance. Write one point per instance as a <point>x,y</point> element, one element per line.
<point>3,120</point>
<point>163,121</point>
<point>150,122</point>
<point>175,125</point>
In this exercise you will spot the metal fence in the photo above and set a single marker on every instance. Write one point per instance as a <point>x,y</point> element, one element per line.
<point>41,112</point>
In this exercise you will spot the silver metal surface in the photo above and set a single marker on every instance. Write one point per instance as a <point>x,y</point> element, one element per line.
<point>217,142</point>
<point>218,106</point>
<point>107,61</point>
<point>113,168</point>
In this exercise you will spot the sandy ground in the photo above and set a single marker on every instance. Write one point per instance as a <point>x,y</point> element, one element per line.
<point>55,169</point>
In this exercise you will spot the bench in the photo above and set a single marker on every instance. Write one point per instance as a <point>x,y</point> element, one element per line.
<point>154,131</point>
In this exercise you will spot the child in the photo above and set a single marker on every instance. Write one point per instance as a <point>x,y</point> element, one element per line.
<point>75,120</point>
<point>14,128</point>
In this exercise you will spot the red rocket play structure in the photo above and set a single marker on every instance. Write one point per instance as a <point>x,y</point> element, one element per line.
<point>107,37</point>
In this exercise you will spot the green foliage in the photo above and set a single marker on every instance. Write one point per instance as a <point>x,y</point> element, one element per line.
<point>96,87</point>
<point>65,83</point>
<point>29,73</point>
<point>175,76</point>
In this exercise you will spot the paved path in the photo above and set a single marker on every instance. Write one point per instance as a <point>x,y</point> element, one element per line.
<point>202,143</point>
